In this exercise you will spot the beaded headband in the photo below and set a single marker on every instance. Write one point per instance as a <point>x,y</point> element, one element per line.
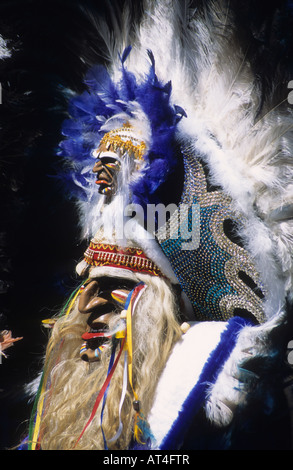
<point>101,254</point>
<point>124,139</point>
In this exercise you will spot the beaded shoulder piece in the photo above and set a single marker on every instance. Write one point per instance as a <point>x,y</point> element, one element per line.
<point>216,273</point>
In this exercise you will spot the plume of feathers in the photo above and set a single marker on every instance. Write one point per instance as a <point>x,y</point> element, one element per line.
<point>236,122</point>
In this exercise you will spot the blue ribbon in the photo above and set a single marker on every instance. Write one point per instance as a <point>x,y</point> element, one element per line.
<point>106,392</point>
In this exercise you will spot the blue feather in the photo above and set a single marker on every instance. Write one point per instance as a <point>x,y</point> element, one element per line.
<point>127,86</point>
<point>180,110</point>
<point>125,54</point>
<point>151,57</point>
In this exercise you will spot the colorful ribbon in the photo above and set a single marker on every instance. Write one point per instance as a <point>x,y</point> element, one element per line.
<point>36,415</point>
<point>123,394</point>
<point>106,392</point>
<point>101,393</point>
<point>126,344</point>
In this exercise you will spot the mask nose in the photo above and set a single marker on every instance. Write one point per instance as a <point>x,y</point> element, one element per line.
<point>98,166</point>
<point>89,298</point>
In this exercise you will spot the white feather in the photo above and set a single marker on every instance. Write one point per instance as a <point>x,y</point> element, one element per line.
<point>251,160</point>
<point>5,52</point>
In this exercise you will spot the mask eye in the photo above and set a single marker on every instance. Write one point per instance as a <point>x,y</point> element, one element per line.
<point>120,296</point>
<point>112,165</point>
<point>108,160</point>
<point>111,284</point>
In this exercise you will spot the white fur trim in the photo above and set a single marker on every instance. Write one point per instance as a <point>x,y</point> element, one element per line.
<point>105,271</point>
<point>180,375</point>
<point>82,267</point>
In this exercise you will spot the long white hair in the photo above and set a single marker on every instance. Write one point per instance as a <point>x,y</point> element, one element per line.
<point>74,384</point>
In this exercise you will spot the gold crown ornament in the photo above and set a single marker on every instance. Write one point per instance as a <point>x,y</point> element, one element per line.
<point>124,139</point>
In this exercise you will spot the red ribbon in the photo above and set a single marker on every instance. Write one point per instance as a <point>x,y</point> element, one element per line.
<point>88,335</point>
<point>102,391</point>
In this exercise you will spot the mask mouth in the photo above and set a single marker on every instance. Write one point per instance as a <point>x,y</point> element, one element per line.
<point>105,189</point>
<point>99,335</point>
<point>95,333</point>
<point>106,176</point>
<point>98,332</point>
<point>104,179</point>
<point>99,339</point>
<point>95,340</point>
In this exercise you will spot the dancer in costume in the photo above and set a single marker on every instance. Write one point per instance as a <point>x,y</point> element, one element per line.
<point>122,370</point>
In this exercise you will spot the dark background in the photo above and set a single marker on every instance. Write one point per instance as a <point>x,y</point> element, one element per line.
<point>39,236</point>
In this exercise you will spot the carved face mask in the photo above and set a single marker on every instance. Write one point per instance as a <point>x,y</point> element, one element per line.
<point>107,167</point>
<point>102,299</point>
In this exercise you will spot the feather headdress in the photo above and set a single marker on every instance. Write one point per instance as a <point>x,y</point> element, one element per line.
<point>143,102</point>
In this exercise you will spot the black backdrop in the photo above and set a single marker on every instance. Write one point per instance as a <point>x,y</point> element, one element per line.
<point>52,44</point>
<point>38,235</point>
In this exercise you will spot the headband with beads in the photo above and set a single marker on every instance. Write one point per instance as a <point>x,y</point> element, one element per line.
<point>125,140</point>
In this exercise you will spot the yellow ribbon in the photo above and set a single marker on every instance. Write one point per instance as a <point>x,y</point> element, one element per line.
<point>39,415</point>
<point>42,394</point>
<point>137,431</point>
<point>128,345</point>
